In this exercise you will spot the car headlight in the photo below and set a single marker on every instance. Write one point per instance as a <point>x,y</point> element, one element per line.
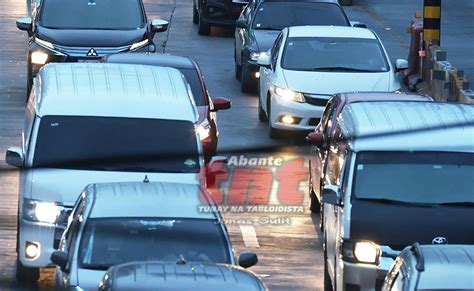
<point>204,130</point>
<point>39,58</point>
<point>254,56</point>
<point>44,43</point>
<point>289,94</point>
<point>40,211</point>
<point>139,44</point>
<point>361,252</point>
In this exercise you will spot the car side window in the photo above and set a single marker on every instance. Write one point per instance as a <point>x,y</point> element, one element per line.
<point>275,50</point>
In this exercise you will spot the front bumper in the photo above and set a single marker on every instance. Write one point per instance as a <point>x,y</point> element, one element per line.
<point>357,276</point>
<point>221,12</point>
<point>307,114</point>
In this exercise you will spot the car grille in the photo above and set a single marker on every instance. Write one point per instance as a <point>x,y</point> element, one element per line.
<point>82,51</point>
<point>316,100</point>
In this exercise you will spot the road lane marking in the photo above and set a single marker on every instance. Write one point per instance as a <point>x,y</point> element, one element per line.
<point>249,235</point>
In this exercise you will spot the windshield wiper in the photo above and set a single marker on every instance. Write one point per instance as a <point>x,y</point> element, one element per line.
<point>460,203</point>
<point>96,266</point>
<point>344,69</point>
<point>397,202</point>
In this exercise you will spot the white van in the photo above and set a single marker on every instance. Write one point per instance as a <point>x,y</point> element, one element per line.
<point>90,123</point>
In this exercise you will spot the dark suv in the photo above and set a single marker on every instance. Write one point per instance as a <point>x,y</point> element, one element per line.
<point>84,31</point>
<point>207,13</point>
<point>261,22</point>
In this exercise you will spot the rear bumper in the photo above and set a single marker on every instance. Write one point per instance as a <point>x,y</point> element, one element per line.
<point>221,12</point>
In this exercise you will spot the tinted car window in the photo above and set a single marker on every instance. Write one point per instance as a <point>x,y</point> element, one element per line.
<point>110,241</point>
<point>278,15</point>
<point>333,53</point>
<point>417,177</point>
<point>116,144</point>
<point>92,14</point>
<point>194,81</point>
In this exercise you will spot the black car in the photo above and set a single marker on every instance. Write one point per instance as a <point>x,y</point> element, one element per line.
<point>86,30</point>
<point>207,13</point>
<point>261,22</point>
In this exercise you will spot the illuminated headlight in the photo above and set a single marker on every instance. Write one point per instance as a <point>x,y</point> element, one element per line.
<point>40,211</point>
<point>289,94</point>
<point>32,250</point>
<point>254,56</point>
<point>362,252</point>
<point>44,43</point>
<point>39,58</point>
<point>204,130</point>
<point>138,45</point>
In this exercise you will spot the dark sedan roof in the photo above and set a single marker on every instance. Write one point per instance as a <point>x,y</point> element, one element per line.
<point>182,276</point>
<point>164,60</point>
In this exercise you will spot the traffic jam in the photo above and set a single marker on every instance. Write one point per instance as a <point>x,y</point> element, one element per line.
<point>331,164</point>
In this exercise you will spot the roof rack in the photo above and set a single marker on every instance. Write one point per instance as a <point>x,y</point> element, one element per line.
<point>420,264</point>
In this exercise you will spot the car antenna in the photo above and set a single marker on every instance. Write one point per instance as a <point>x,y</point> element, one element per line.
<point>146,179</point>
<point>181,260</point>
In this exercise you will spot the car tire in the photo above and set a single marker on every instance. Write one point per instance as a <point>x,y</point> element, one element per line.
<point>262,116</point>
<point>25,274</point>
<point>238,71</point>
<point>246,82</point>
<point>203,27</point>
<point>29,81</point>
<point>314,204</point>
<point>195,14</point>
<point>327,278</point>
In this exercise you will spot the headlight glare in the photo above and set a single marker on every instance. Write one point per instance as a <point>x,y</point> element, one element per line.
<point>361,252</point>
<point>139,44</point>
<point>39,58</point>
<point>40,211</point>
<point>289,94</point>
<point>254,56</point>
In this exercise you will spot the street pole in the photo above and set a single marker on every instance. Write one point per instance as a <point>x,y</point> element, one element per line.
<point>432,21</point>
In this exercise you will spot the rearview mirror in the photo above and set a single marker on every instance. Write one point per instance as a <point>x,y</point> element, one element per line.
<point>25,24</point>
<point>315,138</point>
<point>159,25</point>
<point>221,104</point>
<point>15,157</point>
<point>247,259</point>
<point>401,65</point>
<point>358,24</point>
<point>264,60</point>
<point>330,195</point>
<point>241,23</point>
<point>217,166</point>
<point>59,258</point>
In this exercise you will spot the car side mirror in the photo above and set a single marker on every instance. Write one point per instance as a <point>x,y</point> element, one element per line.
<point>358,24</point>
<point>15,157</point>
<point>59,258</point>
<point>216,166</point>
<point>330,195</point>
<point>221,104</point>
<point>247,259</point>
<point>401,65</point>
<point>159,25</point>
<point>241,23</point>
<point>315,138</point>
<point>25,24</point>
<point>264,60</point>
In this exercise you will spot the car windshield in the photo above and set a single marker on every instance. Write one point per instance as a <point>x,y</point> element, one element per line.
<point>92,14</point>
<point>116,144</point>
<point>334,54</point>
<point>278,15</point>
<point>415,177</point>
<point>111,241</point>
<point>194,81</point>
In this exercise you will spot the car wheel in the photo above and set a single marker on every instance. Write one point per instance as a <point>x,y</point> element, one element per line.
<point>314,204</point>
<point>246,81</point>
<point>262,116</point>
<point>203,27</point>
<point>29,82</point>
<point>238,70</point>
<point>327,278</point>
<point>195,14</point>
<point>25,274</point>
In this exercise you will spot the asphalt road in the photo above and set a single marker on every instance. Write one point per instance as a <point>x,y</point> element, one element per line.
<point>288,244</point>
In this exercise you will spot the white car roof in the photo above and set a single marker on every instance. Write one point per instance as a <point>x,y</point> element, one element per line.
<point>330,31</point>
<point>402,126</point>
<point>113,90</point>
<point>153,199</point>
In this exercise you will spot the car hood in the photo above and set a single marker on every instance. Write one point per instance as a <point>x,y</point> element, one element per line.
<point>400,225</point>
<point>328,83</point>
<point>264,39</point>
<point>64,186</point>
<point>89,279</point>
<point>91,38</point>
